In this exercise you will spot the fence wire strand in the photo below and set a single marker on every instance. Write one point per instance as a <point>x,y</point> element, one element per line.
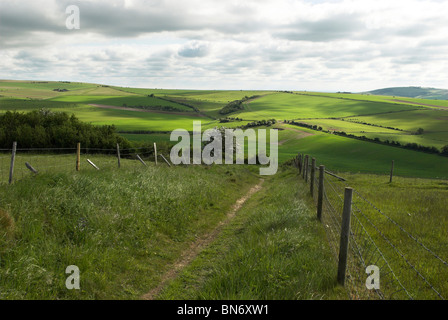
<point>369,245</point>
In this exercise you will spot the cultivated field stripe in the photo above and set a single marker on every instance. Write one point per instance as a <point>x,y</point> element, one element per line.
<point>196,247</point>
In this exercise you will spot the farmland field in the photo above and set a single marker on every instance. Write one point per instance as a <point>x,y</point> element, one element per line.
<point>293,106</point>
<point>145,116</point>
<point>357,114</point>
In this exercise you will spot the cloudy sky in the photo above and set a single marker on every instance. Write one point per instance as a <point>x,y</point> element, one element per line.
<point>321,45</point>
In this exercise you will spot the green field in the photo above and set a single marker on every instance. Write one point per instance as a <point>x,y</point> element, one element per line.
<point>357,114</point>
<point>294,106</point>
<point>127,227</point>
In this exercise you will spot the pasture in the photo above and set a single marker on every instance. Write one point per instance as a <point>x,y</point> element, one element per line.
<point>331,111</point>
<point>287,106</point>
<point>157,213</point>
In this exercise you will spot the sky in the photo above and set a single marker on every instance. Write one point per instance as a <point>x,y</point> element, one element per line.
<point>313,45</point>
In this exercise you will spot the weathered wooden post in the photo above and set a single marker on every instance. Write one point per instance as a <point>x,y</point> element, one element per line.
<point>92,164</point>
<point>78,156</point>
<point>13,159</point>
<point>320,196</point>
<point>306,167</point>
<point>30,167</point>
<point>167,162</point>
<point>392,171</point>
<point>313,175</point>
<point>345,236</point>
<point>155,152</point>
<point>118,156</point>
<point>141,160</point>
<point>300,163</point>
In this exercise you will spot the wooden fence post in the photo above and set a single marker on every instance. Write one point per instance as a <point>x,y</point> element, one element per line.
<point>141,160</point>
<point>306,167</point>
<point>345,236</point>
<point>92,164</point>
<point>155,152</point>
<point>313,175</point>
<point>13,159</point>
<point>320,196</point>
<point>167,162</point>
<point>118,156</point>
<point>300,163</point>
<point>392,171</point>
<point>31,168</point>
<point>78,156</point>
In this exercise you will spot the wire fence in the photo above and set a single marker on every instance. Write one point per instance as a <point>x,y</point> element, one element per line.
<point>19,163</point>
<point>384,260</point>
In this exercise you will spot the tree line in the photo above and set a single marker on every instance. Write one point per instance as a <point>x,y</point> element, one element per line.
<point>46,129</point>
<point>410,146</point>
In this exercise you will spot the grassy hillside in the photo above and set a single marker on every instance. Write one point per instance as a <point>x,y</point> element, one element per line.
<point>273,250</point>
<point>413,92</point>
<point>125,228</point>
<point>122,228</point>
<point>357,114</point>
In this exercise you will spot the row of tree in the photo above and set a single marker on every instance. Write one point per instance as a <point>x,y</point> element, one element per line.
<point>236,105</point>
<point>410,146</point>
<point>46,129</point>
<point>154,107</point>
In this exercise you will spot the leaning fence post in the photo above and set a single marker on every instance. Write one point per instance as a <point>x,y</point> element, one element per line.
<point>345,235</point>
<point>13,159</point>
<point>78,156</point>
<point>155,152</point>
<point>30,167</point>
<point>92,164</point>
<point>320,196</point>
<point>118,155</point>
<point>141,160</point>
<point>313,174</point>
<point>167,162</point>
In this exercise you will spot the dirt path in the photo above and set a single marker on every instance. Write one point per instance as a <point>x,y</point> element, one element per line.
<point>195,248</point>
<point>192,114</point>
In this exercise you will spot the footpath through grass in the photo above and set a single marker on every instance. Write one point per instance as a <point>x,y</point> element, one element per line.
<point>275,249</point>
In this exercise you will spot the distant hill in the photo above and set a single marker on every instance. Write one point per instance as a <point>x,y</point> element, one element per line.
<point>413,92</point>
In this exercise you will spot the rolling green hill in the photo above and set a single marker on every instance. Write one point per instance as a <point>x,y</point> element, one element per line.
<point>413,92</point>
<point>127,228</point>
<point>135,112</point>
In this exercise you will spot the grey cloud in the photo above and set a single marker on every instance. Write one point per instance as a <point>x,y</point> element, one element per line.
<point>114,19</point>
<point>332,28</point>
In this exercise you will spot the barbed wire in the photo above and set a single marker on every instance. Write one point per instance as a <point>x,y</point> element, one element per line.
<point>403,229</point>
<point>363,250</point>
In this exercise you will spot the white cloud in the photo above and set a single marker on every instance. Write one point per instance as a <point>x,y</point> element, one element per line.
<point>314,45</point>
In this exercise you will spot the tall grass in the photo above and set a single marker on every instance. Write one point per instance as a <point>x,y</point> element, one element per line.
<point>122,228</point>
